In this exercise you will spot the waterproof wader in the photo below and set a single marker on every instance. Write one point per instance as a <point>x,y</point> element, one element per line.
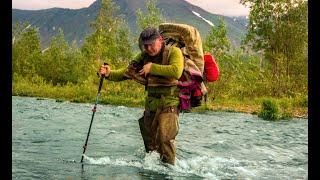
<point>159,124</point>
<point>158,130</point>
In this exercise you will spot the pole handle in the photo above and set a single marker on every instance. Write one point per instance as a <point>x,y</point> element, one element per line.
<point>98,74</point>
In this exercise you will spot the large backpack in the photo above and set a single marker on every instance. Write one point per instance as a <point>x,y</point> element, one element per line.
<point>188,39</point>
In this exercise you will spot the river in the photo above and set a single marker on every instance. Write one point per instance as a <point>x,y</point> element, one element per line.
<point>47,140</point>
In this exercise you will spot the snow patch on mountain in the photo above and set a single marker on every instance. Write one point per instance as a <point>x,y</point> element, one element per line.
<point>197,14</point>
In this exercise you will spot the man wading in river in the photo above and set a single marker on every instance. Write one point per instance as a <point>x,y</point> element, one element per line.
<point>158,67</point>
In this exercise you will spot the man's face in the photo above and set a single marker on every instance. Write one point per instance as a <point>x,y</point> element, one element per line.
<point>154,48</point>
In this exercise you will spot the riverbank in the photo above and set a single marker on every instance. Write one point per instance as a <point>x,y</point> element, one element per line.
<point>120,93</point>
<point>297,112</point>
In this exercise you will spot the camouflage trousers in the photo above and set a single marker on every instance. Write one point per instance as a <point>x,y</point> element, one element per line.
<point>158,130</point>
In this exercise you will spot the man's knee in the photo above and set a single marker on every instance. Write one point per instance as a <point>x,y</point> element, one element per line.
<point>168,127</point>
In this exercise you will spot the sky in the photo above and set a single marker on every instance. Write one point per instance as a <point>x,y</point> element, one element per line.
<point>223,7</point>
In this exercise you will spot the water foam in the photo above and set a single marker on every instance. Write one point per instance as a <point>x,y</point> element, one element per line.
<point>212,167</point>
<point>202,166</point>
<point>108,161</point>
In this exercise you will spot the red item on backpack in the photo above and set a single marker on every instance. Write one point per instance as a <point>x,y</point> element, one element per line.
<point>211,68</point>
<point>197,92</point>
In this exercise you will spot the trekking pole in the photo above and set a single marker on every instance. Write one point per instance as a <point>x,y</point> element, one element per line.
<point>93,110</point>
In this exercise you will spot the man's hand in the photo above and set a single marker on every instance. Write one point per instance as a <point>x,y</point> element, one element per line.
<point>105,70</point>
<point>146,69</point>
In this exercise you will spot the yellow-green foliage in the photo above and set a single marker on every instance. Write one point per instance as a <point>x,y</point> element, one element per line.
<point>269,110</point>
<point>153,16</point>
<point>275,109</point>
<point>126,93</point>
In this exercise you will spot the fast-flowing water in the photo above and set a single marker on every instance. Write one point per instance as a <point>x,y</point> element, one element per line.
<point>47,140</point>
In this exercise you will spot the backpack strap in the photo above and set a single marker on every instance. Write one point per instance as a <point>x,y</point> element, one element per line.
<point>166,54</point>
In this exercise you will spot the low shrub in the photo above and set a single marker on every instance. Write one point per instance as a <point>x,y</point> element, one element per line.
<point>269,110</point>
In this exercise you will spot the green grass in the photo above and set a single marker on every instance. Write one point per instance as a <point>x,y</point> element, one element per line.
<point>126,93</point>
<point>131,94</point>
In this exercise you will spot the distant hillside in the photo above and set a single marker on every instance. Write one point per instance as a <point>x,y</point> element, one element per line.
<point>75,23</point>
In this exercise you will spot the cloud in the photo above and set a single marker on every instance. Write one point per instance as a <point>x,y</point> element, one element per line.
<point>223,7</point>
<point>45,4</point>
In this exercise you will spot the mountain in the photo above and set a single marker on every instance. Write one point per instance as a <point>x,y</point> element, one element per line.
<point>75,23</point>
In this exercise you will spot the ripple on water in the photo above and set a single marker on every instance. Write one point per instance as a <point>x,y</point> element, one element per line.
<point>215,145</point>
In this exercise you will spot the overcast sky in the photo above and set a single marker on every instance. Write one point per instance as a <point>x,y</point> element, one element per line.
<point>224,7</point>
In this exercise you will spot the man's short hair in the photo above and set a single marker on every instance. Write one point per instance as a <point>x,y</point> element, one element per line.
<point>149,35</point>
